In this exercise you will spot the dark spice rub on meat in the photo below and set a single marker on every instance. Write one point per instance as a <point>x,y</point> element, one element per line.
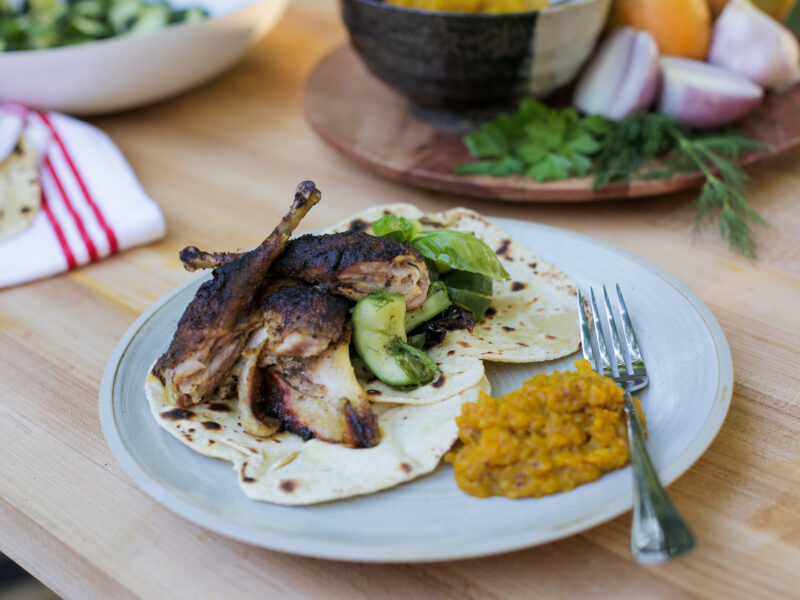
<point>353,263</point>
<point>296,372</point>
<point>302,320</point>
<point>350,263</point>
<point>214,328</point>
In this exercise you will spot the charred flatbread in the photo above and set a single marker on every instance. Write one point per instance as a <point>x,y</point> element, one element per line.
<point>20,190</point>
<point>284,469</point>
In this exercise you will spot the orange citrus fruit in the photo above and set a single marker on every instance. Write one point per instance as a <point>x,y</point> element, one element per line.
<point>680,27</point>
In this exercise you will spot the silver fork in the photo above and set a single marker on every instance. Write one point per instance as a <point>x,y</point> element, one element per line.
<point>658,533</point>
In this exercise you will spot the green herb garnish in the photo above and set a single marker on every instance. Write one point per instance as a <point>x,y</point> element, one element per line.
<point>654,146</point>
<point>445,248</point>
<point>536,141</point>
<point>457,261</point>
<point>549,144</point>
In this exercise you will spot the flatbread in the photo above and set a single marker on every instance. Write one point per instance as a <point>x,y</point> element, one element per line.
<point>284,469</point>
<point>458,373</point>
<point>533,316</point>
<point>20,190</point>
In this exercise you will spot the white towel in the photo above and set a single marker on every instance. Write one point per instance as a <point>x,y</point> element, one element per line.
<point>92,204</point>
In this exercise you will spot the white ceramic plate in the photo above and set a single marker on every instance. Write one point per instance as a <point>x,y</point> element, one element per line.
<point>128,71</point>
<point>430,519</point>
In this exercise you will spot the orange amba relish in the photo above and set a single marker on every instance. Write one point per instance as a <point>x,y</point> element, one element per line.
<point>554,433</point>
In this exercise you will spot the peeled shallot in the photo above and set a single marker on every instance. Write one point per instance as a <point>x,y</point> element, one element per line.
<point>752,43</point>
<point>705,96</point>
<point>622,77</point>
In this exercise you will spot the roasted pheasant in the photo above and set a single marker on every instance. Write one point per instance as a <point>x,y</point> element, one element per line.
<point>354,263</point>
<point>296,370</point>
<point>215,327</point>
<point>351,264</point>
<point>301,320</point>
<point>321,398</point>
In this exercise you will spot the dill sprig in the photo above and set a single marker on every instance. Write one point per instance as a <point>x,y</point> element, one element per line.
<point>724,190</point>
<point>547,144</point>
<point>655,146</point>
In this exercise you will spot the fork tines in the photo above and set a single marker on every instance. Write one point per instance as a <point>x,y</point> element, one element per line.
<point>628,363</point>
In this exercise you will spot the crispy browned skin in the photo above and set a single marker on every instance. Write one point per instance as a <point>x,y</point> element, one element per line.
<point>298,321</point>
<point>194,259</point>
<point>302,320</point>
<point>354,263</point>
<point>351,263</point>
<point>319,397</point>
<point>214,328</point>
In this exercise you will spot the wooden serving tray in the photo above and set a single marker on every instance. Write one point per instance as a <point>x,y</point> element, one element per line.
<point>368,122</point>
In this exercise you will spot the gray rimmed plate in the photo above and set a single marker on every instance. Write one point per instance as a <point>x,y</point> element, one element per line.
<point>431,519</point>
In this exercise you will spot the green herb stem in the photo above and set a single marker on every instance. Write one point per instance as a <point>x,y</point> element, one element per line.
<point>547,144</point>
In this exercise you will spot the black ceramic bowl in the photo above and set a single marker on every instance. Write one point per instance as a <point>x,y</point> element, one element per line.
<point>466,62</point>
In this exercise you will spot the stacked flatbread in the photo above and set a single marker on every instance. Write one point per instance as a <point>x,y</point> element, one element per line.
<point>20,191</point>
<point>532,319</point>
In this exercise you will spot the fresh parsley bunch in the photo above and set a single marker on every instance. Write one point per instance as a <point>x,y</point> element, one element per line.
<point>536,141</point>
<point>547,144</point>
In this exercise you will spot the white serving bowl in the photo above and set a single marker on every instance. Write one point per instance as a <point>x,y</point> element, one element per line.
<point>128,71</point>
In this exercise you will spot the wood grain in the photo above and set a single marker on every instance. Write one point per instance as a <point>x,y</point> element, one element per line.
<point>223,161</point>
<point>368,122</point>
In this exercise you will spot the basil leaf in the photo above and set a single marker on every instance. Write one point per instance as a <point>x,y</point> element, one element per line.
<point>459,250</point>
<point>474,302</point>
<point>464,280</point>
<point>396,228</point>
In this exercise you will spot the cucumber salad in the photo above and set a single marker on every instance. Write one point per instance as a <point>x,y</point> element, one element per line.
<point>462,269</point>
<point>37,24</point>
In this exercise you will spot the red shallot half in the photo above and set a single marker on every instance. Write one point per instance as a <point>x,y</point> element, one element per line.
<point>705,96</point>
<point>622,77</point>
<point>752,43</point>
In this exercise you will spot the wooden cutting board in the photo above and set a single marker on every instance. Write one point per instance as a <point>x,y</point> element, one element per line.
<point>368,122</point>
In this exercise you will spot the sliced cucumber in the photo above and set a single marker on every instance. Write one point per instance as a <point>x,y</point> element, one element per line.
<point>435,303</point>
<point>88,27</point>
<point>379,337</point>
<point>418,341</point>
<point>188,15</point>
<point>416,367</point>
<point>123,14</point>
<point>150,18</point>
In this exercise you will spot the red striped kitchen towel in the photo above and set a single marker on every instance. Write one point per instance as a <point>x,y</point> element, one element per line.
<point>92,204</point>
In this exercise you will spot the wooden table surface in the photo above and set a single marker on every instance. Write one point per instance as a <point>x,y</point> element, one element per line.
<point>222,161</point>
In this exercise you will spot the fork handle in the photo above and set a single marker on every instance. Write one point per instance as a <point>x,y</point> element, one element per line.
<point>659,533</point>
